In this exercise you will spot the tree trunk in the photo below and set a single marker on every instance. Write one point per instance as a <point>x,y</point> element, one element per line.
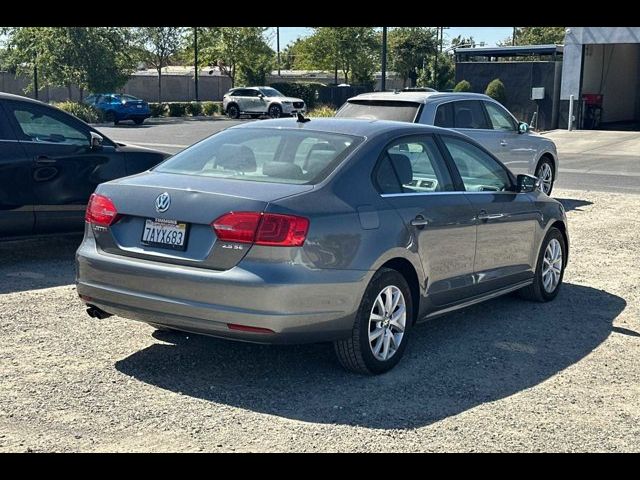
<point>160,85</point>
<point>336,74</point>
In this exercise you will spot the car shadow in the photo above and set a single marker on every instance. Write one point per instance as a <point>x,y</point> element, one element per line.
<point>36,263</point>
<point>454,363</point>
<point>573,204</point>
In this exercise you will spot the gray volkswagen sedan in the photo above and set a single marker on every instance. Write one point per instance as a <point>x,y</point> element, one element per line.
<point>340,230</point>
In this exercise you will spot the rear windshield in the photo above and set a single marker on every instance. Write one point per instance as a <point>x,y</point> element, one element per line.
<point>264,155</point>
<point>380,110</point>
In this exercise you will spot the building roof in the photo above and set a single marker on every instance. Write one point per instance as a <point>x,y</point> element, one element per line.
<point>511,51</point>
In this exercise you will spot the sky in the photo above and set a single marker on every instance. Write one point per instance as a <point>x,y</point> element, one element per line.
<point>489,35</point>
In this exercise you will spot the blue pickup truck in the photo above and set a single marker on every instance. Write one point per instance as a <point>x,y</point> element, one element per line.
<point>117,107</point>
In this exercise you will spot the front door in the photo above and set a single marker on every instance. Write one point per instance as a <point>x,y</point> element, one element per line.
<point>516,150</point>
<point>505,219</point>
<point>415,180</point>
<point>64,170</point>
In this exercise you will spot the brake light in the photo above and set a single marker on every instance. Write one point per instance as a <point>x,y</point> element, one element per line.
<point>270,229</point>
<point>101,211</point>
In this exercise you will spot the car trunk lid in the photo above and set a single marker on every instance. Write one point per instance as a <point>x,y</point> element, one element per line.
<point>188,206</point>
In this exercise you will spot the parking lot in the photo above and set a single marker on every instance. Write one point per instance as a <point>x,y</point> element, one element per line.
<point>506,375</point>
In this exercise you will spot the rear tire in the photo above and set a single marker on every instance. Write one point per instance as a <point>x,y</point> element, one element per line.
<point>233,111</point>
<point>541,290</point>
<point>358,352</point>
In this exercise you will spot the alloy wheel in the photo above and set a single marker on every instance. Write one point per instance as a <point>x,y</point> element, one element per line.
<point>387,322</point>
<point>545,174</point>
<point>552,265</point>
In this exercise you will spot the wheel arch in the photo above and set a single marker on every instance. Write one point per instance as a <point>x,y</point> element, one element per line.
<point>546,154</point>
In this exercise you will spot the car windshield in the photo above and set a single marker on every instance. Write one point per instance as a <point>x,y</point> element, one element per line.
<point>271,92</point>
<point>380,110</point>
<point>264,155</point>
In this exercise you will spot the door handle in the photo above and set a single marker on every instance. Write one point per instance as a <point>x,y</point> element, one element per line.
<point>490,216</point>
<point>44,160</point>
<point>419,221</point>
<point>503,143</point>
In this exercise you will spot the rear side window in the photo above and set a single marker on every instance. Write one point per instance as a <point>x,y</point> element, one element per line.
<point>380,110</point>
<point>444,116</point>
<point>264,155</point>
<point>413,165</point>
<point>470,114</point>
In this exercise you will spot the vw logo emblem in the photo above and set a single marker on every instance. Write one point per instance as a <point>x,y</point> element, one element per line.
<point>163,202</point>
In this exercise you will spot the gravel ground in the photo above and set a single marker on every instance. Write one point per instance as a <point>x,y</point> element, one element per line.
<point>506,375</point>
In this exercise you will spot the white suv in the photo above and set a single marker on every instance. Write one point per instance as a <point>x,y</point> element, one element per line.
<point>258,101</point>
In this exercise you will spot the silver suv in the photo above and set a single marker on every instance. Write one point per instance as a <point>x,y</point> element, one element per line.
<point>478,116</point>
<point>258,101</point>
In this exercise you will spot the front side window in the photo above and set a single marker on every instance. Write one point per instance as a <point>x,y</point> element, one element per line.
<point>380,110</point>
<point>271,92</point>
<point>469,114</point>
<point>41,125</point>
<point>413,165</point>
<point>264,155</point>
<point>500,119</point>
<point>480,172</point>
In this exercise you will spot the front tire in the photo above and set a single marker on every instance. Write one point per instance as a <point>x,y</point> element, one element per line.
<point>275,111</point>
<point>549,269</point>
<point>546,173</point>
<point>383,322</point>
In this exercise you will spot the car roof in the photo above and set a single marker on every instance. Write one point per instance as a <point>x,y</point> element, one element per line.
<point>352,126</point>
<point>420,97</point>
<point>19,98</point>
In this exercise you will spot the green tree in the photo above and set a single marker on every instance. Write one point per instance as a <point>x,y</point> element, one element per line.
<point>496,90</point>
<point>94,58</point>
<point>462,86</point>
<point>410,51</point>
<point>237,51</point>
<point>352,50</point>
<point>157,45</point>
<point>537,36</point>
<point>463,42</point>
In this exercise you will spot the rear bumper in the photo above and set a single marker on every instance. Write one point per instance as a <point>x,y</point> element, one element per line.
<point>296,304</point>
<point>132,115</point>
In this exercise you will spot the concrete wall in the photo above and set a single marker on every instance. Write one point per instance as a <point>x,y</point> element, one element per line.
<point>175,88</point>
<point>519,78</point>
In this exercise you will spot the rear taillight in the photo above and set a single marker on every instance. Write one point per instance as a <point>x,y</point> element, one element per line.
<point>101,211</point>
<point>262,228</point>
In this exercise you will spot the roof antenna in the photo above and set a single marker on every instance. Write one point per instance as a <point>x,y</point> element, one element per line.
<point>302,118</point>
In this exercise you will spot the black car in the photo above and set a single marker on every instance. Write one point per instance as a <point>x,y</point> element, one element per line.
<point>51,162</point>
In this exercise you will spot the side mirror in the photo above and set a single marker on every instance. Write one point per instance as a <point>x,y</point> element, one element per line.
<point>523,127</point>
<point>527,183</point>
<point>95,141</point>
<point>261,95</point>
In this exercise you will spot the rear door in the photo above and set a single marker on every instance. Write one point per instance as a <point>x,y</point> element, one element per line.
<point>64,169</point>
<point>505,219</point>
<point>16,193</point>
<point>414,178</point>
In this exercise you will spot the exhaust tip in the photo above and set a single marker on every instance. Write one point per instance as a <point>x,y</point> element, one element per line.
<point>95,312</point>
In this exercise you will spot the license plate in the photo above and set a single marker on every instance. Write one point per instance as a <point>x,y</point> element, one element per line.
<point>139,106</point>
<point>165,234</point>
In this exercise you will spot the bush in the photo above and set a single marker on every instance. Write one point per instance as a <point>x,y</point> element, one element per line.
<point>211,108</point>
<point>158,109</point>
<point>194,109</point>
<point>496,90</point>
<point>322,111</point>
<point>84,112</point>
<point>307,91</point>
<point>177,109</point>
<point>462,86</point>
